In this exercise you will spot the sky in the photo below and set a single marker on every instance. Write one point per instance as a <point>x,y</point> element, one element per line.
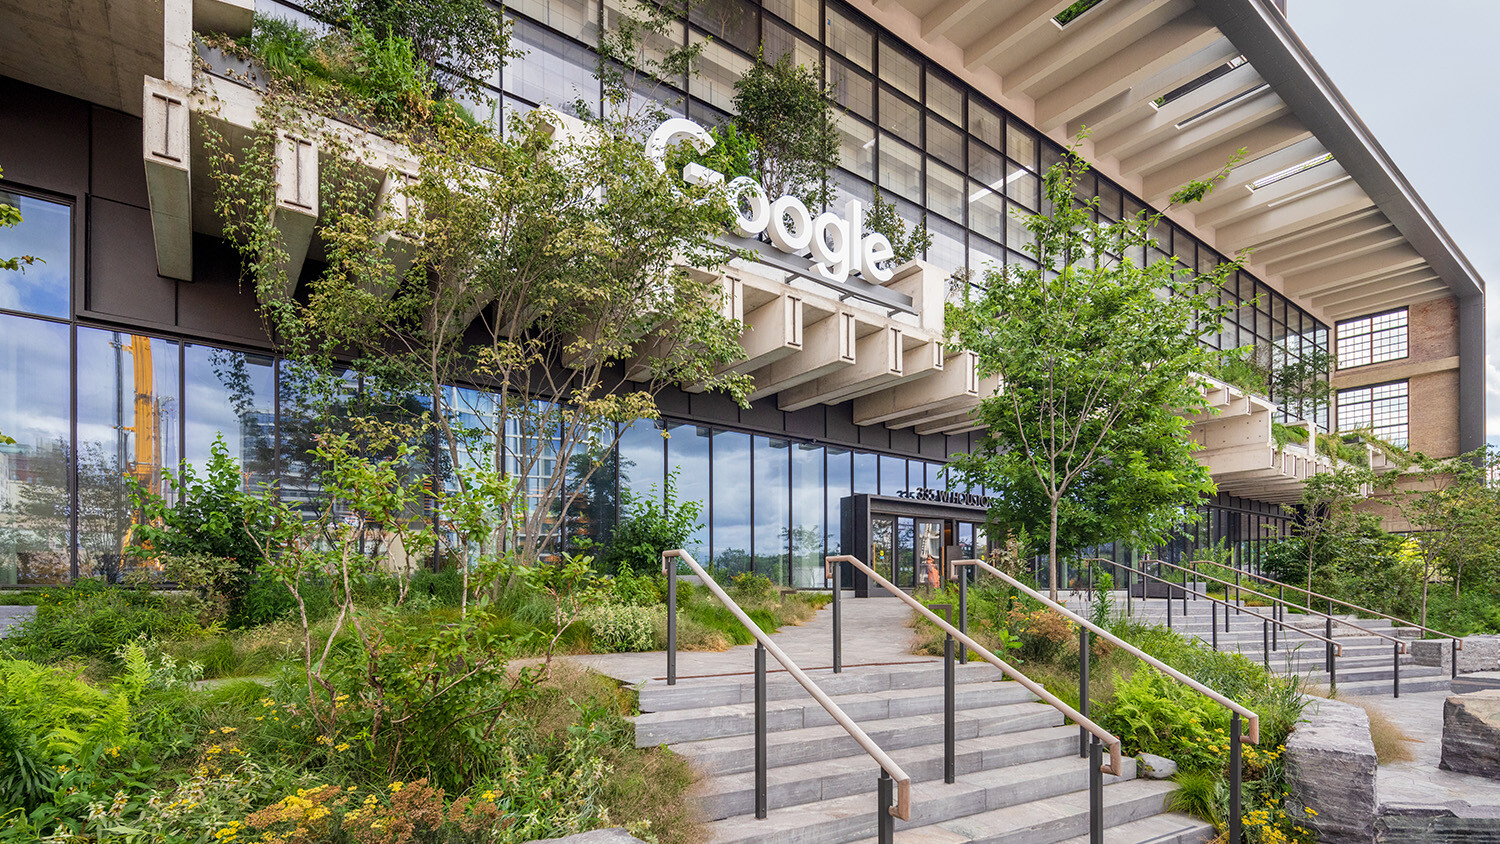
<point>1423,77</point>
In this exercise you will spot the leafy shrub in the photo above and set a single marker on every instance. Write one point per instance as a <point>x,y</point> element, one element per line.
<point>1152,713</point>
<point>750,587</point>
<point>92,619</point>
<point>649,529</point>
<point>623,628</point>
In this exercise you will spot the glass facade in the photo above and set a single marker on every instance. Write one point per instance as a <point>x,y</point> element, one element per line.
<point>1382,409</point>
<point>1372,339</point>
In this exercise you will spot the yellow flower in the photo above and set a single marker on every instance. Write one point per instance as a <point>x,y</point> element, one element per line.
<point>396,786</point>
<point>488,795</point>
<point>1310,810</point>
<point>341,746</point>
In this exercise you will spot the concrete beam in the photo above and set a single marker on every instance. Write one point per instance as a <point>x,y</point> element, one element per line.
<point>1021,25</point>
<point>1136,102</point>
<point>947,15</point>
<point>1024,70</point>
<point>1337,251</point>
<point>229,17</point>
<point>828,346</point>
<point>1332,203</point>
<point>1282,131</point>
<point>772,331</point>
<point>1248,171</point>
<point>394,205</point>
<point>1157,123</point>
<point>1250,203</point>
<point>1161,48</point>
<point>165,144</point>
<point>296,213</point>
<point>957,382</point>
<point>1322,236</point>
<point>1381,263</point>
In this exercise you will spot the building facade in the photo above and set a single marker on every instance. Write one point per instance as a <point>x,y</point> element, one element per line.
<point>131,345</point>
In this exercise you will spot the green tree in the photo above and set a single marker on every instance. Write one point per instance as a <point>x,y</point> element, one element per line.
<point>1454,515</point>
<point>1329,527</point>
<point>785,108</point>
<point>10,216</point>
<point>1087,441</point>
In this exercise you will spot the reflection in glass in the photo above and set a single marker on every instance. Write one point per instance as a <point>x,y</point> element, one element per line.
<point>687,455</point>
<point>772,518</point>
<point>45,233</point>
<point>127,433</point>
<point>840,484</point>
<point>233,395</point>
<point>808,508</point>
<point>866,473</point>
<point>906,537</point>
<point>591,484</point>
<point>882,545</point>
<point>929,539</point>
<point>641,461</point>
<point>892,475</point>
<point>34,528</point>
<point>731,497</point>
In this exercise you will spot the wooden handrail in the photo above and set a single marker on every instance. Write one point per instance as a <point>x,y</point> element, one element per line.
<point>1245,712</point>
<point>1115,765</point>
<point>1238,588</point>
<point>1338,648</point>
<point>902,809</point>
<point>1355,607</point>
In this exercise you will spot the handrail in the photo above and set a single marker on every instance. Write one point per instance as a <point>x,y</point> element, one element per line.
<point>1115,765</point>
<point>1240,589</point>
<point>902,809</point>
<point>1457,639</point>
<point>1339,649</point>
<point>1232,706</point>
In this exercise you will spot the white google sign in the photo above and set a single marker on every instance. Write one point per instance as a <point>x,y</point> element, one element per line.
<point>838,245</point>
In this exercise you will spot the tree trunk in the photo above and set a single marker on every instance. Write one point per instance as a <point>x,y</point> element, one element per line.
<point>1052,551</point>
<point>1426,576</point>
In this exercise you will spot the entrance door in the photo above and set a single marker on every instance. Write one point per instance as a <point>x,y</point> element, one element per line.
<point>883,545</point>
<point>929,548</point>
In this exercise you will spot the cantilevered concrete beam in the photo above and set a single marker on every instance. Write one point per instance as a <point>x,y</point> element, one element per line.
<point>394,207</point>
<point>1295,215</point>
<point>1217,131</point>
<point>1248,171</point>
<point>1025,23</point>
<point>1380,299</point>
<point>1135,103</point>
<point>1322,236</point>
<point>1153,124</point>
<point>1251,203</point>
<point>296,211</point>
<point>1163,179</point>
<point>947,15</point>
<point>1161,48</point>
<point>166,146</point>
<point>1026,68</point>
<point>1338,251</point>
<point>1380,285</point>
<point>828,346</point>
<point>879,359</point>
<point>772,331</point>
<point>956,383</point>
<point>1374,265</point>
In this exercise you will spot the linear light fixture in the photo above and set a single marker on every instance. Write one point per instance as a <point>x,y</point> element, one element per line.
<point>1188,121</point>
<point>1291,171</point>
<point>1310,191</point>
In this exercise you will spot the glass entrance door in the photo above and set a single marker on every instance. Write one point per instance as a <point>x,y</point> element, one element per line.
<point>929,548</point>
<point>883,545</point>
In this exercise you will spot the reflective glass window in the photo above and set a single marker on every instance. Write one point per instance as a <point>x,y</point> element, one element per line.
<point>856,145</point>
<point>718,68</point>
<point>1023,186</point>
<point>945,98</point>
<point>127,432</point>
<point>947,249</point>
<point>986,211</point>
<point>772,459</point>
<point>778,39</point>
<point>34,470</point>
<point>641,451</point>
<point>945,191</point>
<point>808,509</point>
<point>552,70</point>
<point>850,39</point>
<point>1372,339</point>
<point>900,117</point>
<point>840,484</point>
<point>1381,409</point>
<point>1020,145</point>
<point>592,499</point>
<point>866,473</point>
<point>799,13</point>
<point>688,456</point>
<point>578,18</point>
<point>45,233</point>
<point>232,395</point>
<point>734,22</point>
<point>945,143</point>
<point>892,475</point>
<point>900,168</point>
<point>852,88</point>
<point>986,123</point>
<point>731,496</point>
<point>900,68</point>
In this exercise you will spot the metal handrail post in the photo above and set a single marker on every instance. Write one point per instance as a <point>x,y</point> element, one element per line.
<point>1169,603</point>
<point>1096,792</point>
<point>760,731</point>
<point>963,614</point>
<point>1328,631</point>
<point>1238,598</point>
<point>1265,643</point>
<point>1235,833</point>
<point>1457,644</point>
<point>671,572</point>
<point>885,821</point>
<point>1395,671</point>
<point>1213,621</point>
<point>1083,688</point>
<point>950,697</point>
<point>838,630</point>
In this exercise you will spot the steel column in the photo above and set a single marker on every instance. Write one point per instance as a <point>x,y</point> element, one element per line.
<point>1096,791</point>
<point>670,565</point>
<point>1213,621</point>
<point>1395,670</point>
<point>1083,688</point>
<point>760,730</point>
<point>949,695</point>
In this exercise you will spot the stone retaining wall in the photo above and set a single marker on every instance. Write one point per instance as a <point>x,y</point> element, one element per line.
<point>1330,766</point>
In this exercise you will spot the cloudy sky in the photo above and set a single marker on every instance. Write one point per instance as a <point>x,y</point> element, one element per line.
<point>1424,78</point>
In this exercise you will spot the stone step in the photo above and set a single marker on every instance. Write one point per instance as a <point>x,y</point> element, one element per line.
<point>1167,828</point>
<point>1382,688</point>
<point>698,692</point>
<point>1128,806</point>
<point>734,794</point>
<point>686,725</point>
<point>852,818</point>
<point>736,754</point>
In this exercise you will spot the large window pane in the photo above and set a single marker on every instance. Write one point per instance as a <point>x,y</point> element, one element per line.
<point>853,90</point>
<point>945,98</point>
<point>856,145</point>
<point>892,475</point>
<point>127,432</point>
<point>731,21</point>
<point>578,18</point>
<point>866,474</point>
<point>840,485</point>
<point>731,497</point>
<point>592,475</point>
<point>850,39</point>
<point>231,395</point>
<point>552,70</point>
<point>687,455</point>
<point>945,191</point>
<point>45,233</point>
<point>808,508</point>
<point>718,68</point>
<point>799,13</point>
<point>900,168</point>
<point>772,497</point>
<point>34,364</point>
<point>900,68</point>
<point>642,460</point>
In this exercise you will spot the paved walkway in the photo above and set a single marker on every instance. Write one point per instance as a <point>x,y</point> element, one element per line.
<point>875,631</point>
<point>11,616</point>
<point>1420,716</point>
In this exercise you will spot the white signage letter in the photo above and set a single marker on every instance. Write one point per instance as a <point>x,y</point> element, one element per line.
<point>830,246</point>
<point>672,131</point>
<point>746,194</point>
<point>877,249</point>
<point>793,238</point>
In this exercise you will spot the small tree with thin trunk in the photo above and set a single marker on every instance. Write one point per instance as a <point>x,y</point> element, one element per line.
<point>1087,441</point>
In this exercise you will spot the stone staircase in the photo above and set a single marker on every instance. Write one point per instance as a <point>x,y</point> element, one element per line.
<point>1019,777</point>
<point>1365,669</point>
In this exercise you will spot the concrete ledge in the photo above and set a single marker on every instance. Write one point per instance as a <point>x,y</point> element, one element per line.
<point>1480,653</point>
<point>1454,823</point>
<point>1330,766</point>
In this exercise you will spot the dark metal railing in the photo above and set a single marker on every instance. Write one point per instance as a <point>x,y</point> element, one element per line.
<point>1086,627</point>
<point>1100,737</point>
<point>893,787</point>
<point>1457,641</point>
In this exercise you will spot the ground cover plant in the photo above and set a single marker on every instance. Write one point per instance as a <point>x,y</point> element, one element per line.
<point>1150,712</point>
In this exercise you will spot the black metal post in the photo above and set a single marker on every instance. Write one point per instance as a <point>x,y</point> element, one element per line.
<point>963,610</point>
<point>1455,660</point>
<point>885,822</point>
<point>760,730</point>
<point>1213,621</point>
<point>1238,600</point>
<point>1265,643</point>
<point>1328,634</point>
<point>1083,688</point>
<point>838,628</point>
<point>670,564</point>
<point>1129,569</point>
<point>1333,672</point>
<point>1185,593</point>
<point>1193,565</point>
<point>949,683</point>
<point>1096,791</point>
<point>1169,607</point>
<point>1395,670</point>
<point>1226,611</point>
<point>1235,834</point>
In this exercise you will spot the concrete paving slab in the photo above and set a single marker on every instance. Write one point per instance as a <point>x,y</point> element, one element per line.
<point>1421,781</point>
